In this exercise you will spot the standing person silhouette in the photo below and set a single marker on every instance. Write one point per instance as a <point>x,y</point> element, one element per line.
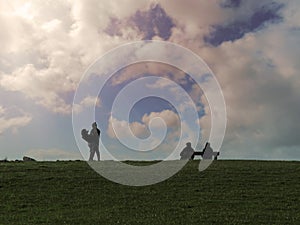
<point>94,144</point>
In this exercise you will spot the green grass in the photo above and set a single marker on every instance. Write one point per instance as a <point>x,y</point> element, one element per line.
<point>228,192</point>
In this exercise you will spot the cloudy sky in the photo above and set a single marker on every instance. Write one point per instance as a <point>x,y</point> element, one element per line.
<point>252,47</point>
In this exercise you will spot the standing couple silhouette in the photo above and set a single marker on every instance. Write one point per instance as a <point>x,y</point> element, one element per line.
<point>92,139</point>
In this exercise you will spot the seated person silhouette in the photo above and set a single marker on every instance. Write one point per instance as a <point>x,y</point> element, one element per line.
<point>208,153</point>
<point>188,152</point>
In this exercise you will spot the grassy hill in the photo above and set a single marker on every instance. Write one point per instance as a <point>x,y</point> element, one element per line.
<point>228,192</point>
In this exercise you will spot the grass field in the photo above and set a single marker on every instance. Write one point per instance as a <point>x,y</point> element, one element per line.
<point>228,192</point>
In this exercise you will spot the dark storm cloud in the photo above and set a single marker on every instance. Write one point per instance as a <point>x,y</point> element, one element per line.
<point>269,13</point>
<point>154,22</point>
<point>151,23</point>
<point>231,3</point>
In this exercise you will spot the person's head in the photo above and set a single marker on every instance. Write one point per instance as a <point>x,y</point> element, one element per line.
<point>94,125</point>
<point>188,144</point>
<point>84,132</point>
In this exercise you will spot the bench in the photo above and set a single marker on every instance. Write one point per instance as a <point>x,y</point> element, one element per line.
<point>214,154</point>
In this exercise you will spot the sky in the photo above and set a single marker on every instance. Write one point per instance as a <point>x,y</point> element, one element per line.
<point>251,47</point>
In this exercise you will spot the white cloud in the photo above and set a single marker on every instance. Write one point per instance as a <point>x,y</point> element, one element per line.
<point>12,120</point>
<point>156,121</point>
<point>47,47</point>
<point>137,129</point>
<point>87,102</point>
<point>170,118</point>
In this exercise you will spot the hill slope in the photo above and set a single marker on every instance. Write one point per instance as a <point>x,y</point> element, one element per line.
<point>228,192</point>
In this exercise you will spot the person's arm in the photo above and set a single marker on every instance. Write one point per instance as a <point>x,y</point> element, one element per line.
<point>182,152</point>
